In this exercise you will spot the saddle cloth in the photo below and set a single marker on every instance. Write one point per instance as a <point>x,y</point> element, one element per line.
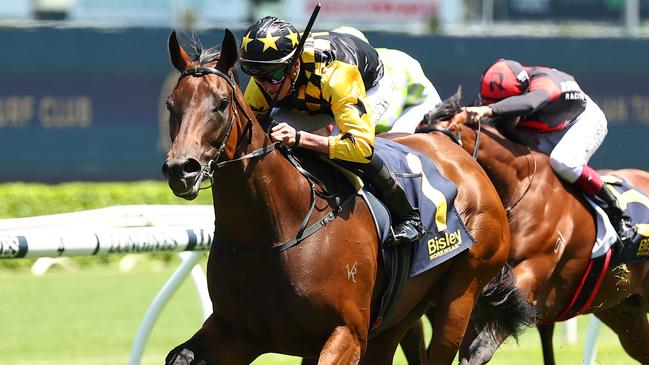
<point>434,195</point>
<point>636,204</point>
<point>605,253</point>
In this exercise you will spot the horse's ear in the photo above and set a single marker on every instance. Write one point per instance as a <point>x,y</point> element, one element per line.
<point>455,99</point>
<point>229,51</point>
<point>179,57</point>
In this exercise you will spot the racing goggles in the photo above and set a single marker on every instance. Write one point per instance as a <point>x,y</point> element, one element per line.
<point>273,71</point>
<point>274,77</point>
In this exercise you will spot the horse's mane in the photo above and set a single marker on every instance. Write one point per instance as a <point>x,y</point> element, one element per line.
<point>448,108</point>
<point>198,53</point>
<point>445,110</point>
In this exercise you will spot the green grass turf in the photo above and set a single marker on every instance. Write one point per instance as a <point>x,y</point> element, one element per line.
<point>90,316</point>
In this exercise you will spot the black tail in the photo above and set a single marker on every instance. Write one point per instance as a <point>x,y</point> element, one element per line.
<point>501,308</point>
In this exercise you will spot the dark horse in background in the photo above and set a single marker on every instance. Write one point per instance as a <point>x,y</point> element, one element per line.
<point>553,233</point>
<point>318,297</point>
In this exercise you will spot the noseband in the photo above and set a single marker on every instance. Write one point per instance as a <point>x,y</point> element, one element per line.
<point>207,171</point>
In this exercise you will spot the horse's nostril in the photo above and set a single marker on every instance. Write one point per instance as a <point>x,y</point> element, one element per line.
<point>165,169</point>
<point>180,169</point>
<point>191,166</point>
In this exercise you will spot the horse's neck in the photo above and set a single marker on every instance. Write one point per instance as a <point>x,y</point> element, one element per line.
<point>506,164</point>
<point>259,201</point>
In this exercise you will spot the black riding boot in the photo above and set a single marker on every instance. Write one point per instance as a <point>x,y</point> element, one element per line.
<point>621,222</point>
<point>407,225</point>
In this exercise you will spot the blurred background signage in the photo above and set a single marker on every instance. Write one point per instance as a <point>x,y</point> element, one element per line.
<point>83,82</point>
<point>565,9</point>
<point>160,12</point>
<point>375,11</point>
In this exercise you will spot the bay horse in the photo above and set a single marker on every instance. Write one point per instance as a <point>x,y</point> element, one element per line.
<point>553,232</point>
<point>275,287</point>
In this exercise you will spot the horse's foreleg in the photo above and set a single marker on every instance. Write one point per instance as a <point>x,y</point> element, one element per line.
<point>469,335</point>
<point>413,344</point>
<point>546,331</point>
<point>629,321</point>
<point>215,343</point>
<point>342,347</point>
<point>449,320</point>
<point>483,347</point>
<point>381,349</point>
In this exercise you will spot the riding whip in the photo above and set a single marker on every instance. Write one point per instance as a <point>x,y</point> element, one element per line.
<point>296,55</point>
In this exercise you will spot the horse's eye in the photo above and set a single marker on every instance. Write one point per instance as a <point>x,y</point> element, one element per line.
<point>223,104</point>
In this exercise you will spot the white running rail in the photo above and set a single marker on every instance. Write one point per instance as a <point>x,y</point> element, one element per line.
<point>188,230</point>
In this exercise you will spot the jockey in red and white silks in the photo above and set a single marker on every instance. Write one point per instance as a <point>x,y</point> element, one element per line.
<point>552,113</point>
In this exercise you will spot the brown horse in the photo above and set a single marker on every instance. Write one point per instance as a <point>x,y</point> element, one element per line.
<point>553,232</point>
<point>278,287</point>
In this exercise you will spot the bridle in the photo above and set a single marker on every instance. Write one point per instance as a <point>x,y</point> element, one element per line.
<point>458,139</point>
<point>208,170</point>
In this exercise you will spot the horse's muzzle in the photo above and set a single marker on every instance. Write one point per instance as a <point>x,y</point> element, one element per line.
<point>182,176</point>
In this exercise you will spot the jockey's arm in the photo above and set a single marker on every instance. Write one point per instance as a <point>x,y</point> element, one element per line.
<point>519,105</point>
<point>343,86</point>
<point>288,136</point>
<point>513,106</point>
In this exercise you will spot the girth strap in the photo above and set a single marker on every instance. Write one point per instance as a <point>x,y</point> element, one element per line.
<point>588,287</point>
<point>301,236</point>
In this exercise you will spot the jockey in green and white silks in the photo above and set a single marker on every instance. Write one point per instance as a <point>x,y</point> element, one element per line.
<point>413,95</point>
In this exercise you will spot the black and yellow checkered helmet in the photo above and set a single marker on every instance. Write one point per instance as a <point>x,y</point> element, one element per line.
<point>268,45</point>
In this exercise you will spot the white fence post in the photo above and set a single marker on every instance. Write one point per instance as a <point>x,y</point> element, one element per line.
<point>200,281</point>
<point>590,346</point>
<point>570,330</point>
<point>188,262</point>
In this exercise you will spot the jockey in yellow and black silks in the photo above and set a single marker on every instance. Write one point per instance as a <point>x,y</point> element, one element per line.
<point>337,78</point>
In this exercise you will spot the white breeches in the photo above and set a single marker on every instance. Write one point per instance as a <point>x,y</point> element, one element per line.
<point>571,148</point>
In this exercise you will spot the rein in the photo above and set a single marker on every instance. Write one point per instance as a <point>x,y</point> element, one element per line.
<point>509,209</point>
<point>458,139</point>
<point>208,170</point>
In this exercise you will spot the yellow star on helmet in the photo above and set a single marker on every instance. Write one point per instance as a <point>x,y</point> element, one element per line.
<point>244,43</point>
<point>269,42</point>
<point>293,37</point>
